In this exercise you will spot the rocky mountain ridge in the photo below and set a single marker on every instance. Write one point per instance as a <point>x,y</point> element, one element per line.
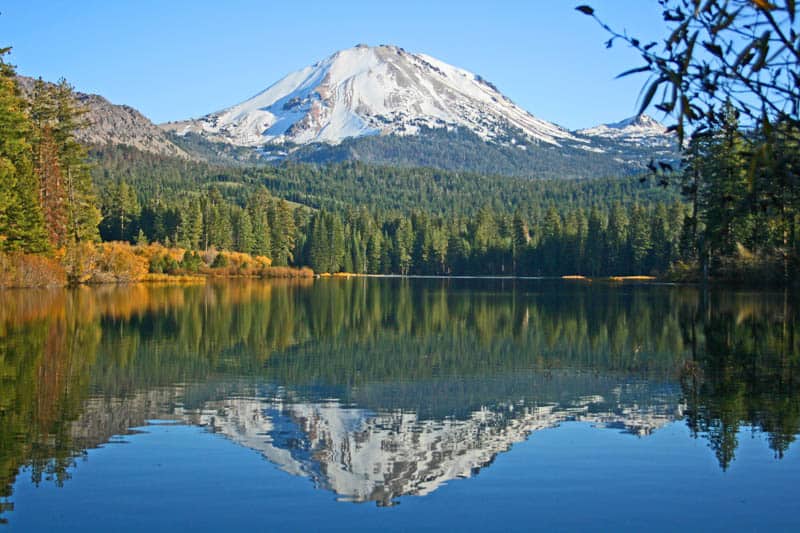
<point>112,124</point>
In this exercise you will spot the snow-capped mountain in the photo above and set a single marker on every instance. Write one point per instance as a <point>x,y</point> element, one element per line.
<point>386,106</point>
<point>377,90</point>
<point>641,129</point>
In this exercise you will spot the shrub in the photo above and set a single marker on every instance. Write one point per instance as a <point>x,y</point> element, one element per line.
<point>288,272</point>
<point>80,262</point>
<point>28,270</point>
<point>116,262</point>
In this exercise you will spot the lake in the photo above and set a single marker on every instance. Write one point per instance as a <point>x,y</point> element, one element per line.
<point>399,404</point>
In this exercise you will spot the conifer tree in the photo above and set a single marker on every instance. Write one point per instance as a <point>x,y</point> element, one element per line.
<point>595,245</point>
<point>638,241</point>
<point>258,207</point>
<point>47,163</point>
<point>243,231</point>
<point>617,239</point>
<point>120,210</point>
<point>374,252</point>
<point>283,230</point>
<point>520,239</point>
<point>403,241</point>
<point>319,243</point>
<point>21,221</point>
<point>82,213</point>
<point>190,230</point>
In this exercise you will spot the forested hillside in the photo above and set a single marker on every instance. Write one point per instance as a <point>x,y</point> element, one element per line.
<point>463,150</point>
<point>711,214</point>
<point>362,218</point>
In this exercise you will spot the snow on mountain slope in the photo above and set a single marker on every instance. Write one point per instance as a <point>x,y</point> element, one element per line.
<point>374,91</point>
<point>639,129</point>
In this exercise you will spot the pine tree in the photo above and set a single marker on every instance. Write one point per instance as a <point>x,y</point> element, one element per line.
<point>551,260</point>
<point>661,253</point>
<point>439,243</point>
<point>47,164</point>
<point>120,210</point>
<point>595,244</point>
<point>319,243</point>
<point>83,216</point>
<point>374,252</point>
<point>258,207</point>
<point>283,236</point>
<point>337,240</point>
<point>617,239</point>
<point>190,230</point>
<point>403,241</point>
<point>52,196</point>
<point>243,231</point>
<point>638,241</point>
<point>725,188</point>
<point>519,242</point>
<point>217,221</point>
<point>21,220</point>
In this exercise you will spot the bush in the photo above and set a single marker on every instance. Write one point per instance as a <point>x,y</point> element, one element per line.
<point>116,262</point>
<point>288,272</point>
<point>28,270</point>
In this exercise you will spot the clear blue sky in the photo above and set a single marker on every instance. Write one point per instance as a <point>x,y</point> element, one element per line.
<point>179,59</point>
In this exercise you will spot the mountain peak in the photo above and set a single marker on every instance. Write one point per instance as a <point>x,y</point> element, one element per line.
<point>641,129</point>
<point>373,90</point>
<point>638,121</point>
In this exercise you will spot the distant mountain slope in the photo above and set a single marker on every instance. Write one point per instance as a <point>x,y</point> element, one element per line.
<point>462,150</point>
<point>107,123</point>
<point>385,105</point>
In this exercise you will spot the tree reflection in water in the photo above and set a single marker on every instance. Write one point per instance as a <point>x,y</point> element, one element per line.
<point>429,378</point>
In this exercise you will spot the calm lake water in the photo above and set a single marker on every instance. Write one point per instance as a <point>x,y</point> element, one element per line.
<point>399,405</point>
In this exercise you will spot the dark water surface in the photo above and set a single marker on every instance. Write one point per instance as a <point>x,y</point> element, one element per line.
<point>399,405</point>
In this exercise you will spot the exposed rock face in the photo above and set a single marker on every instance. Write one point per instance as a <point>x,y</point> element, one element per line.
<point>107,123</point>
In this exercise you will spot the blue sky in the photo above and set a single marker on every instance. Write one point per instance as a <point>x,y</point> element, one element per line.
<point>179,59</point>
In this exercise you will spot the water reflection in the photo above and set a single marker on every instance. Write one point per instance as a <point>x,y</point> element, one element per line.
<point>375,389</point>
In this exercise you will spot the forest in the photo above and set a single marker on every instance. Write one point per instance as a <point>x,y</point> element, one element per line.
<point>717,215</point>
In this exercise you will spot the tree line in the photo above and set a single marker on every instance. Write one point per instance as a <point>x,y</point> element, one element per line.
<point>737,217</point>
<point>533,240</point>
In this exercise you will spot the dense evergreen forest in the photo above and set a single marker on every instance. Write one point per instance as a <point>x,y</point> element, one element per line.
<point>715,214</point>
<point>408,221</point>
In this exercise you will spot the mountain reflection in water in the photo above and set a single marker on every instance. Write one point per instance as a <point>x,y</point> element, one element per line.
<point>375,389</point>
